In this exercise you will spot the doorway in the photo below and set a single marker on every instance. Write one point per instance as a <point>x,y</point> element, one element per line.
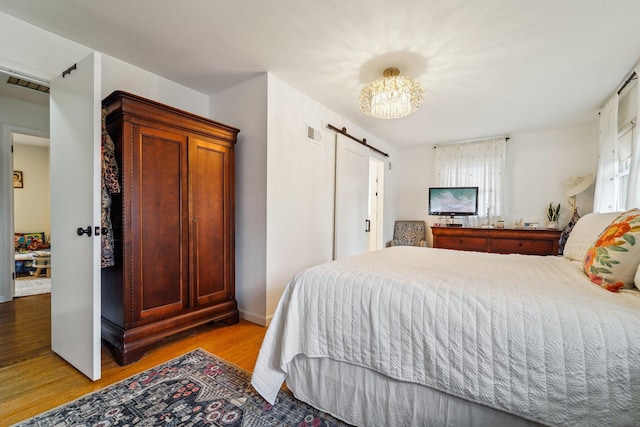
<point>25,133</point>
<point>31,214</point>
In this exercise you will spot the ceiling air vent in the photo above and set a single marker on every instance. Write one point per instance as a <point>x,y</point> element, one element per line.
<point>313,134</point>
<point>28,84</point>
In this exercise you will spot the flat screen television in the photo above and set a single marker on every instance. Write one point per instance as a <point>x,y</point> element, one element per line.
<point>453,201</point>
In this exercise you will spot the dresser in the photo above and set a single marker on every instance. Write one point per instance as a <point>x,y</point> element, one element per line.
<point>497,240</point>
<point>173,225</point>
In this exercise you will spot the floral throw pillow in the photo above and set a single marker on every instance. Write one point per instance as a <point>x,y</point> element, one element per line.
<point>613,259</point>
<point>24,242</point>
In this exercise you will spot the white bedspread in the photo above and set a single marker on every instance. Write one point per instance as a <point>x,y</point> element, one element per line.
<point>525,334</point>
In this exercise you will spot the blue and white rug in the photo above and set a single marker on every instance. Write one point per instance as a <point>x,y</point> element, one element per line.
<point>196,389</point>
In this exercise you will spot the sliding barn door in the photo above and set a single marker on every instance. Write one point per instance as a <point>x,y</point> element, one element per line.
<point>352,198</point>
<point>75,202</point>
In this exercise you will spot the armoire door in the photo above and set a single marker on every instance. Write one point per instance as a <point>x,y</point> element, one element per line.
<point>212,246</point>
<point>159,223</point>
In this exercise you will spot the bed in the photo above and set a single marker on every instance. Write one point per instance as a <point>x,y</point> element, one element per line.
<point>423,336</point>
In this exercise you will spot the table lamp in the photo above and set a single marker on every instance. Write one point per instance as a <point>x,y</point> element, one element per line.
<point>575,186</point>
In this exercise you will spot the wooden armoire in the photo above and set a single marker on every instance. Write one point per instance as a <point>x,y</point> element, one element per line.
<point>173,225</point>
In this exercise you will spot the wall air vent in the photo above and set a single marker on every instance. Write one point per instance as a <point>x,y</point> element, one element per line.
<point>28,84</point>
<point>313,134</point>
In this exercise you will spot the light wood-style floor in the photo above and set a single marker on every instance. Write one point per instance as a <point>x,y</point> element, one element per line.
<point>33,379</point>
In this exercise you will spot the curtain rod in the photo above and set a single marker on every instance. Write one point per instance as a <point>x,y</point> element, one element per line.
<point>343,131</point>
<point>633,76</point>
<point>506,138</point>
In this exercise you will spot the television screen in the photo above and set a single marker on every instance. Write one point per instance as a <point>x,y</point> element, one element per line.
<point>453,201</point>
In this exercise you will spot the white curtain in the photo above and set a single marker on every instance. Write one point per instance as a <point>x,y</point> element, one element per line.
<point>633,189</point>
<point>475,164</point>
<point>605,194</point>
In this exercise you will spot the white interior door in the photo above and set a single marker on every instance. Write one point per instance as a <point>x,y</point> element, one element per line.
<point>75,114</point>
<point>376,194</point>
<point>352,198</point>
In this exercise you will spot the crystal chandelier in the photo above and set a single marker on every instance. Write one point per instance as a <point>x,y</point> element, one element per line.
<point>391,97</point>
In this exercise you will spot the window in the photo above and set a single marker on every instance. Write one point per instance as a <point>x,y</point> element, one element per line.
<point>618,175</point>
<point>475,164</point>
<point>625,142</point>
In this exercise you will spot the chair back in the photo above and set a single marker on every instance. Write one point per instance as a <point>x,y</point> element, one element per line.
<point>409,233</point>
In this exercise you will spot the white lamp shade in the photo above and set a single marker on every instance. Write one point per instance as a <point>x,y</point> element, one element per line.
<point>577,184</point>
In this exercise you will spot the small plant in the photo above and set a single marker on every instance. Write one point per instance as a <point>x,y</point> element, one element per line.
<point>553,213</point>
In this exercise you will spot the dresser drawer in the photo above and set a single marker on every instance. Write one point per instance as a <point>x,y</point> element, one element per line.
<point>498,240</point>
<point>527,247</point>
<point>463,243</point>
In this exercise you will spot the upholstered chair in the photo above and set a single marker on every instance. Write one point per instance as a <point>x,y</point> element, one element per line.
<point>409,233</point>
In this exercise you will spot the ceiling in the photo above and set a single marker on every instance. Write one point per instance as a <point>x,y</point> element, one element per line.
<point>489,67</point>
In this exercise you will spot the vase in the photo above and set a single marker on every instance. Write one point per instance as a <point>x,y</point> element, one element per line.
<point>553,225</point>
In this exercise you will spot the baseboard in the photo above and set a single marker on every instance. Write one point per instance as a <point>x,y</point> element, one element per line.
<point>254,318</point>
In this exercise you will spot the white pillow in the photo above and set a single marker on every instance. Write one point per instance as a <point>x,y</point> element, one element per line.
<point>637,278</point>
<point>585,233</point>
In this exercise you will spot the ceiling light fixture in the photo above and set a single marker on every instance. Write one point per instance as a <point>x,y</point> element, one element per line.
<point>391,97</point>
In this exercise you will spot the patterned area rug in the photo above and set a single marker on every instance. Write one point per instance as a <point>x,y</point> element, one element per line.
<point>196,389</point>
<point>26,286</point>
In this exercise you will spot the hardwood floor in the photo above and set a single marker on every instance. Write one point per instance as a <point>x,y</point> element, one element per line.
<point>33,379</point>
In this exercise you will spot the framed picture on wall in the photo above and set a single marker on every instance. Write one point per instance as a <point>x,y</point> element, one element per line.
<point>18,179</point>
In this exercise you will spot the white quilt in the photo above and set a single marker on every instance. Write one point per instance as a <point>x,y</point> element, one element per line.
<point>527,335</point>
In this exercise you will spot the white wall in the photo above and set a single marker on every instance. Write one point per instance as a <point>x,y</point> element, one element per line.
<point>244,106</point>
<point>415,170</point>
<point>119,75</point>
<point>284,187</point>
<point>31,203</point>
<point>300,184</point>
<point>537,168</point>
